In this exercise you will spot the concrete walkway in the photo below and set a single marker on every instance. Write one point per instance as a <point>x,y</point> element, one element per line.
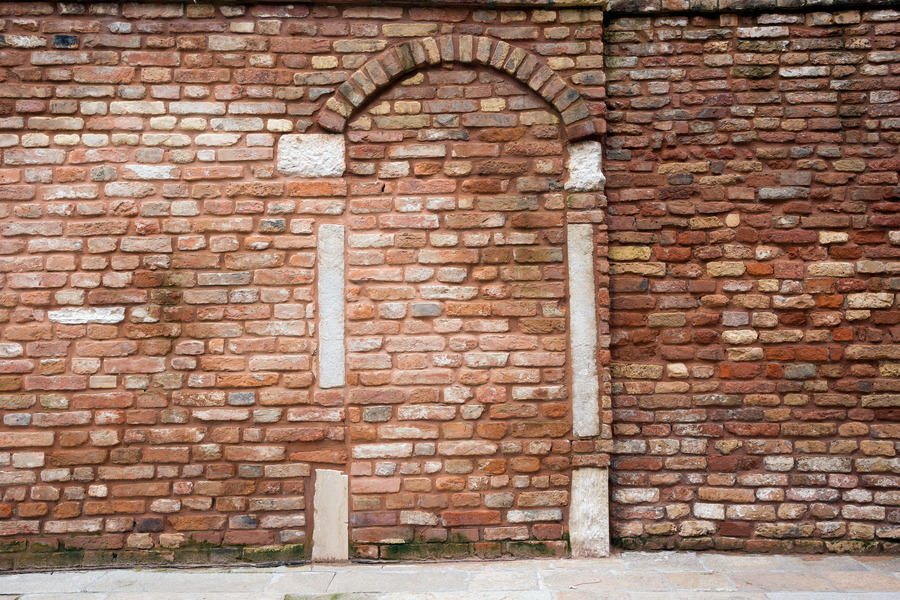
<point>624,576</point>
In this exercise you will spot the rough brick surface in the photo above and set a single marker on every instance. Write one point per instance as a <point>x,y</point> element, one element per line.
<point>457,324</point>
<point>752,175</point>
<point>159,318</point>
<point>158,230</point>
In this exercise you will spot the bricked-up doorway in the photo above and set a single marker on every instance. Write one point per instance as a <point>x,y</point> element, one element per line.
<point>456,320</point>
<point>459,356</point>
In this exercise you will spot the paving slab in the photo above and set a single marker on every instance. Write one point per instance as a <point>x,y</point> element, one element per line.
<point>833,596</point>
<point>616,562</point>
<point>346,580</point>
<point>427,596</point>
<point>492,581</point>
<point>180,582</point>
<point>776,581</point>
<point>881,563</point>
<point>662,561</point>
<point>700,581</point>
<point>300,582</point>
<point>743,562</point>
<point>560,580</point>
<point>660,596</point>
<point>624,576</point>
<point>855,581</point>
<point>210,595</point>
<point>61,596</point>
<point>70,581</point>
<point>826,564</point>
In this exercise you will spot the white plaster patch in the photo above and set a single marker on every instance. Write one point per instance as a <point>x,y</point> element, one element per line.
<point>589,513</point>
<point>583,331</point>
<point>78,316</point>
<point>330,246</point>
<point>585,167</point>
<point>330,517</point>
<point>312,155</point>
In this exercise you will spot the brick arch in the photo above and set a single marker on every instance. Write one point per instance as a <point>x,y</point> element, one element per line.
<point>379,72</point>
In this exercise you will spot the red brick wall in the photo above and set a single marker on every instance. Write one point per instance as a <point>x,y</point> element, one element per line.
<point>139,181</point>
<point>754,278</point>
<point>752,166</point>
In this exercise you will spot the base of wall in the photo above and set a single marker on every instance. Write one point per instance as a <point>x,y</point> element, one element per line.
<point>13,557</point>
<point>461,550</point>
<point>758,545</point>
<point>193,555</point>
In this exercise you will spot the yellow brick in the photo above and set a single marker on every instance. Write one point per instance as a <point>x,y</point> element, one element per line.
<point>409,29</point>
<point>698,167</point>
<point>324,62</point>
<point>493,104</point>
<point>407,107</point>
<point>629,253</point>
<point>383,108</point>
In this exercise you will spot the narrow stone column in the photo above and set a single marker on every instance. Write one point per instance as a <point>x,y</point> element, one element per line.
<point>583,331</point>
<point>332,370</point>
<point>313,156</point>
<point>589,501</point>
<point>331,517</point>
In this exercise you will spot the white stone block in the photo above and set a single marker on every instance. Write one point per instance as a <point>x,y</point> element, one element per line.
<point>332,370</point>
<point>583,331</point>
<point>585,167</point>
<point>331,517</point>
<point>78,316</point>
<point>589,513</point>
<point>312,155</point>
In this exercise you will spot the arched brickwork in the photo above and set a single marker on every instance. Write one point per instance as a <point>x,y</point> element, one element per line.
<point>378,73</point>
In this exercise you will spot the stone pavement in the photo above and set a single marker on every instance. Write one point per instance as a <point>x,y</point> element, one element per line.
<point>624,576</point>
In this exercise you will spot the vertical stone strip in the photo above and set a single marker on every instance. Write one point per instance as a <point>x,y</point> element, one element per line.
<point>330,517</point>
<point>589,513</point>
<point>330,245</point>
<point>589,507</point>
<point>583,331</point>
